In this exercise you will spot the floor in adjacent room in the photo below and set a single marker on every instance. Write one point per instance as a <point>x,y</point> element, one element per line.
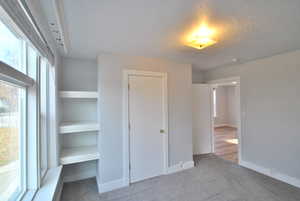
<point>226,143</point>
<point>213,179</point>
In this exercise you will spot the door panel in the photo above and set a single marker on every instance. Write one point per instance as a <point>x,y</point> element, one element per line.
<point>202,132</point>
<point>146,120</point>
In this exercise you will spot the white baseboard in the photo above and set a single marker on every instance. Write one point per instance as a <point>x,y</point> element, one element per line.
<point>272,173</point>
<point>120,183</point>
<point>79,176</point>
<point>112,185</point>
<point>98,182</point>
<point>180,167</point>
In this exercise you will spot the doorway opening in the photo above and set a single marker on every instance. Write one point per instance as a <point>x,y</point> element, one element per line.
<point>226,120</point>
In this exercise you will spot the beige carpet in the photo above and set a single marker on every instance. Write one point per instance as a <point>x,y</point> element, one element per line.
<point>213,179</point>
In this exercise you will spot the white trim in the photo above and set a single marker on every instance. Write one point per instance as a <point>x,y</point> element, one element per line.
<point>79,94</point>
<point>188,165</point>
<point>59,12</point>
<point>126,154</point>
<point>111,185</point>
<point>180,167</point>
<point>79,154</point>
<point>212,119</point>
<point>59,191</point>
<point>271,173</point>
<point>226,82</point>
<point>77,127</point>
<point>123,182</point>
<point>98,182</point>
<point>11,75</point>
<point>50,183</point>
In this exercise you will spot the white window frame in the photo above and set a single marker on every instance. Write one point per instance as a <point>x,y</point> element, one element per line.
<point>29,80</point>
<point>45,149</point>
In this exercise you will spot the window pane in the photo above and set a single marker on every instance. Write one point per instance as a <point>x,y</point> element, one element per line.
<point>215,102</point>
<point>11,138</point>
<point>44,114</point>
<point>11,48</point>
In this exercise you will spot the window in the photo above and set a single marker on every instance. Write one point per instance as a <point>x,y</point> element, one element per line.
<point>11,48</point>
<point>12,120</point>
<point>12,146</point>
<point>215,102</point>
<point>24,114</point>
<point>44,111</point>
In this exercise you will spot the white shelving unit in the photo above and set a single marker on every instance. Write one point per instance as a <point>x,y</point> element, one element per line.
<point>79,126</point>
<point>76,127</point>
<point>79,94</point>
<point>79,154</point>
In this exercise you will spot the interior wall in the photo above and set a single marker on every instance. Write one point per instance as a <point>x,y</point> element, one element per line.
<point>232,106</point>
<point>197,77</point>
<point>79,75</point>
<point>269,110</point>
<point>221,106</point>
<point>110,69</point>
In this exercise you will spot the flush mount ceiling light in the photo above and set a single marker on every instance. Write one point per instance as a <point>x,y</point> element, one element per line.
<point>202,37</point>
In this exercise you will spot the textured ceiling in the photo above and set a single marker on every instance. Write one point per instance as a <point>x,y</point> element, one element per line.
<point>249,29</point>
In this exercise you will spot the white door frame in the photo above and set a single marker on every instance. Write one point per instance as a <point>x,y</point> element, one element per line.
<point>126,140</point>
<point>224,82</point>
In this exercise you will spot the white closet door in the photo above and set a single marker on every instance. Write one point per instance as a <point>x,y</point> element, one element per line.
<point>202,129</point>
<point>146,121</point>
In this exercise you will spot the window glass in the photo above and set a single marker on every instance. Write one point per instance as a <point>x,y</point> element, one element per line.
<point>12,136</point>
<point>215,101</point>
<point>44,114</point>
<point>11,48</point>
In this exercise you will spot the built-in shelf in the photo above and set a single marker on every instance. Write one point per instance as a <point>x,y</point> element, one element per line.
<point>76,127</point>
<point>79,94</point>
<point>79,154</point>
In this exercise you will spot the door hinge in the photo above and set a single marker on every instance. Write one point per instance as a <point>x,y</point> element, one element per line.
<point>129,127</point>
<point>129,167</point>
<point>128,86</point>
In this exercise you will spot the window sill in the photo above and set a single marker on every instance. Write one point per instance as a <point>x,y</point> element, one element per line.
<point>49,186</point>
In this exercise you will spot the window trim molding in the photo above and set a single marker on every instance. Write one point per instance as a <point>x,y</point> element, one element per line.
<point>13,76</point>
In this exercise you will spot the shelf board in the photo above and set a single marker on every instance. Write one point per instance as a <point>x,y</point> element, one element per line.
<point>79,154</point>
<point>79,94</point>
<point>76,127</point>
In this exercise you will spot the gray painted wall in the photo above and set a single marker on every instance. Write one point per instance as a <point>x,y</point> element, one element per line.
<point>270,111</point>
<point>221,106</point>
<point>197,77</point>
<point>232,106</point>
<point>226,106</point>
<point>110,68</point>
<point>78,75</point>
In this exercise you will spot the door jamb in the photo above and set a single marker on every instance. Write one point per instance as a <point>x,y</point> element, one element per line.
<point>126,139</point>
<point>220,82</point>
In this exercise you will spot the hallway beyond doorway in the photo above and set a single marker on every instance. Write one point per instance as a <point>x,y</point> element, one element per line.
<point>226,143</point>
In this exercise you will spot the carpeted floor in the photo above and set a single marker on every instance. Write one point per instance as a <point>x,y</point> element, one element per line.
<point>213,179</point>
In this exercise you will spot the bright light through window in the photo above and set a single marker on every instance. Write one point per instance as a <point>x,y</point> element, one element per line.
<point>215,102</point>
<point>11,140</point>
<point>10,48</point>
<point>44,115</point>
